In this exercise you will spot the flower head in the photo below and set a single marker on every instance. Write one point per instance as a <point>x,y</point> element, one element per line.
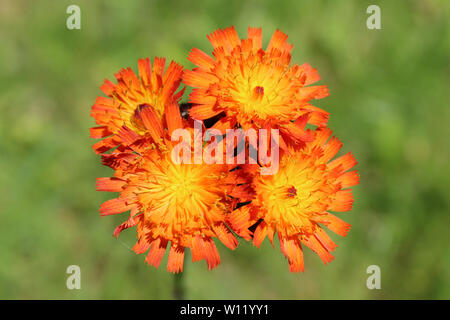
<point>184,204</point>
<point>296,201</point>
<point>252,87</point>
<point>154,87</point>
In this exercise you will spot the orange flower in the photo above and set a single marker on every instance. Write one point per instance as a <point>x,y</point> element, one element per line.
<point>252,87</point>
<point>154,87</point>
<point>185,204</point>
<point>296,200</point>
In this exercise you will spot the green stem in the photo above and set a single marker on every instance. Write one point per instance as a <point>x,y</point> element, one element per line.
<point>178,285</point>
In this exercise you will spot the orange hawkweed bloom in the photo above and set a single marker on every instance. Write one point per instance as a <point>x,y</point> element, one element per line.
<point>296,201</point>
<point>253,87</point>
<point>184,204</point>
<point>154,87</point>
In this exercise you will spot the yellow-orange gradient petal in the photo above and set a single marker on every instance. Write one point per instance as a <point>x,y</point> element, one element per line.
<point>255,88</point>
<point>154,87</point>
<point>295,202</point>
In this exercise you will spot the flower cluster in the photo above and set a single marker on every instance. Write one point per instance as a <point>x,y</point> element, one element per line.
<point>190,204</point>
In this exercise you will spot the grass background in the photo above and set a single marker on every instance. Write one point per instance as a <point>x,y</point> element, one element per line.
<point>389,104</point>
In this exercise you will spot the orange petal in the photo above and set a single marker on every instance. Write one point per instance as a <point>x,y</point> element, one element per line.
<point>243,192</point>
<point>348,179</point>
<point>110,184</point>
<point>319,117</point>
<point>103,104</point>
<point>159,65</point>
<point>240,220</point>
<point>325,239</point>
<point>292,249</point>
<point>260,234</point>
<point>278,41</point>
<point>201,59</point>
<point>173,117</point>
<point>145,70</point>
<point>100,132</point>
<point>158,70</point>
<point>176,257</point>
<point>172,79</point>
<point>107,87</point>
<point>198,79</point>
<point>346,162</point>
<point>106,144</point>
<point>142,245</point>
<point>312,75</point>
<point>201,112</point>
<point>314,244</point>
<point>227,39</point>
<point>331,148</point>
<point>131,222</point>
<point>322,136</point>
<point>156,253</point>
<point>224,123</point>
<point>335,224</point>
<point>211,254</point>
<point>127,135</point>
<point>343,201</point>
<point>299,133</point>
<point>306,94</point>
<point>255,34</point>
<point>197,249</point>
<point>115,161</point>
<point>115,206</point>
<point>152,123</point>
<point>225,235</point>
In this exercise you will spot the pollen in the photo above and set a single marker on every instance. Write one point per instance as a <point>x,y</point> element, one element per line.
<point>291,192</point>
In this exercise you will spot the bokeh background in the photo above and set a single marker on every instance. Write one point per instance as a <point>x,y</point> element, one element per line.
<point>389,104</point>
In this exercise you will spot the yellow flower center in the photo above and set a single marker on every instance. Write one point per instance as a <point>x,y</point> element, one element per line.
<point>259,88</point>
<point>292,195</point>
<point>185,194</point>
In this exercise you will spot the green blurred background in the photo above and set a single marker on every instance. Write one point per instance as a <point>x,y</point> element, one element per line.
<point>389,104</point>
